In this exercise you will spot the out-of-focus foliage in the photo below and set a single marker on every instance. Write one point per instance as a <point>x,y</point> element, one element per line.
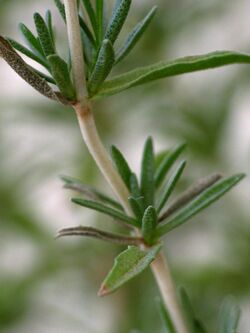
<point>44,283</point>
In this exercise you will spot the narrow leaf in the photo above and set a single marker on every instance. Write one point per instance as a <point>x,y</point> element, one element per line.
<point>86,30</point>
<point>91,14</point>
<point>190,194</point>
<point>128,265</point>
<point>171,185</point>
<point>136,207</point>
<point>60,72</point>
<point>50,25</point>
<point>117,20</point>
<point>44,35</point>
<point>205,199</point>
<point>121,165</point>
<point>134,186</point>
<point>103,66</point>
<point>147,173</point>
<point>25,71</point>
<point>171,68</point>
<point>61,9</point>
<point>135,35</point>
<point>167,163</point>
<point>27,52</point>
<point>188,310</point>
<point>99,234</point>
<point>106,210</point>
<point>99,19</point>
<point>89,192</point>
<point>31,40</point>
<point>229,316</point>
<point>166,319</point>
<point>149,222</point>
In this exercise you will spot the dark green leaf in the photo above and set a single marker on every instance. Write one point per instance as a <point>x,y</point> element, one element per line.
<point>134,186</point>
<point>91,14</point>
<point>166,319</point>
<point>99,17</point>
<point>199,327</point>
<point>135,204</point>
<point>149,222</point>
<point>135,35</point>
<point>147,173</point>
<point>171,185</point>
<point>25,71</point>
<point>188,310</point>
<point>167,163</point>
<point>121,165</point>
<point>103,66</point>
<point>117,20</point>
<point>50,25</point>
<point>106,210</point>
<point>61,9</point>
<point>31,40</point>
<point>205,199</point>
<point>171,68</point>
<point>44,35</point>
<point>86,30</point>
<point>27,52</point>
<point>89,192</point>
<point>229,316</point>
<point>43,76</point>
<point>60,72</point>
<point>128,265</point>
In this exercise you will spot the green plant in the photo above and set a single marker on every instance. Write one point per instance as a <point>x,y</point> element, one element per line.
<point>81,79</point>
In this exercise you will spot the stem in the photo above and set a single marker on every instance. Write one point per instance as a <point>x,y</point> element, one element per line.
<point>165,283</point>
<point>98,151</point>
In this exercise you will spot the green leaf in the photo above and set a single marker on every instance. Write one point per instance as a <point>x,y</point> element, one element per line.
<point>135,35</point>
<point>121,165</point>
<point>135,204</point>
<point>147,173</point>
<point>91,14</point>
<point>106,210</point>
<point>50,25</point>
<point>25,71</point>
<point>86,30</point>
<point>149,222</point>
<point>128,265</point>
<point>117,20</point>
<point>165,317</point>
<point>60,72</point>
<point>171,185</point>
<point>134,186</point>
<point>99,19</point>
<point>31,41</point>
<point>188,310</point>
<point>61,9</point>
<point>27,52</point>
<point>229,316</point>
<point>89,192</point>
<point>167,163</point>
<point>199,203</point>
<point>171,68</point>
<point>44,35</point>
<point>103,66</point>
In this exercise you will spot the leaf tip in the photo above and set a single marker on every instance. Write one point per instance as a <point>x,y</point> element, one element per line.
<point>103,291</point>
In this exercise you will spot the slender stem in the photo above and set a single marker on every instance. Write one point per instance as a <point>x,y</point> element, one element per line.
<point>165,283</point>
<point>98,151</point>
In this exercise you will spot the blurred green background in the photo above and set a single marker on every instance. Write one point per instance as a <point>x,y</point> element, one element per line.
<point>50,286</point>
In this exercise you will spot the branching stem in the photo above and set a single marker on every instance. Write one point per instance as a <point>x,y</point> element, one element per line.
<point>90,135</point>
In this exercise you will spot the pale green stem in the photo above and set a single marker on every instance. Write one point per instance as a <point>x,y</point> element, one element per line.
<point>101,157</point>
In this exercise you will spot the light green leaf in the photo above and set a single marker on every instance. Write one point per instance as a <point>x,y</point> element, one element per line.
<point>106,210</point>
<point>128,265</point>
<point>149,222</point>
<point>167,163</point>
<point>147,173</point>
<point>199,203</point>
<point>165,317</point>
<point>44,35</point>
<point>103,66</point>
<point>171,185</point>
<point>60,72</point>
<point>117,20</point>
<point>135,35</point>
<point>229,316</point>
<point>171,68</point>
<point>121,165</point>
<point>188,310</point>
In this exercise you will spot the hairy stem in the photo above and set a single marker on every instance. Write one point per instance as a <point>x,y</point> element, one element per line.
<point>101,157</point>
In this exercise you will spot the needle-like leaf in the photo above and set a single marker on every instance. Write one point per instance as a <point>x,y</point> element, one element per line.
<point>117,20</point>
<point>99,20</point>
<point>205,199</point>
<point>44,35</point>
<point>91,14</point>
<point>147,173</point>
<point>128,265</point>
<point>33,43</point>
<point>106,210</point>
<point>149,222</point>
<point>135,205</point>
<point>171,185</point>
<point>121,165</point>
<point>50,25</point>
<point>61,9</point>
<point>165,317</point>
<point>171,68</point>
<point>135,35</point>
<point>102,67</point>
<point>229,316</point>
<point>167,163</point>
